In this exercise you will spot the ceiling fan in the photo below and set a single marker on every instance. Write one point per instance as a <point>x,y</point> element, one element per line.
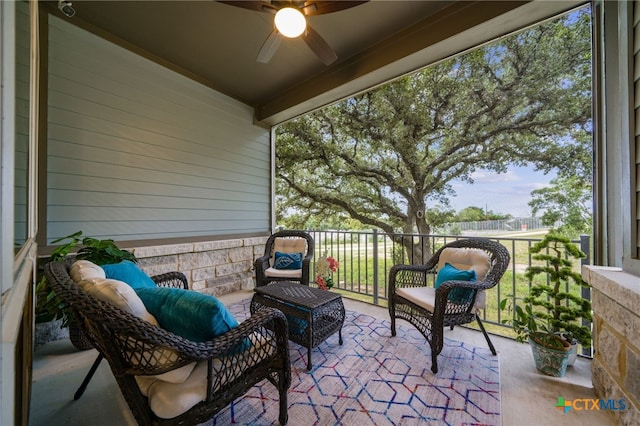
<point>290,21</point>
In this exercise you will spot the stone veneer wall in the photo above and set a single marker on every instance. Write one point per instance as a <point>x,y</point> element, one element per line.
<point>213,267</point>
<point>616,320</point>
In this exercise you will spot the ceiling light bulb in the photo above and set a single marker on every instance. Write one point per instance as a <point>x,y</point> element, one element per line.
<point>290,22</point>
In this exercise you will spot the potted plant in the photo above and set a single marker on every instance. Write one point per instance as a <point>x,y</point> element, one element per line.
<point>550,317</point>
<point>48,306</point>
<point>326,266</point>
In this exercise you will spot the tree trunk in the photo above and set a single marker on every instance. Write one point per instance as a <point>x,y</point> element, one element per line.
<point>417,248</point>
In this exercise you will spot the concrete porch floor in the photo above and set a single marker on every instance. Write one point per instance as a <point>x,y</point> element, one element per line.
<point>528,397</point>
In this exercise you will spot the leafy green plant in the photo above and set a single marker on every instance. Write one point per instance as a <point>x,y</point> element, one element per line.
<point>100,252</point>
<point>103,252</point>
<point>551,309</point>
<point>527,324</point>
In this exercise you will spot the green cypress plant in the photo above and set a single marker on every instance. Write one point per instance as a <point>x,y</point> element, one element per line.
<point>551,309</point>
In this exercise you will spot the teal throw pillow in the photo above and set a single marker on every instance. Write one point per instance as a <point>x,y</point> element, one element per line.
<point>130,273</point>
<point>449,273</point>
<point>195,316</point>
<point>288,260</point>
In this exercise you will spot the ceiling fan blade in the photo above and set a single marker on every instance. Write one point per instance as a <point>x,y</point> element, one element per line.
<point>319,46</point>
<point>269,47</point>
<point>257,5</point>
<point>313,7</point>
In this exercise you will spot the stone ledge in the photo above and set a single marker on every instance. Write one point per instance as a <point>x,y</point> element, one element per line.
<point>616,284</point>
<point>256,241</point>
<point>217,245</point>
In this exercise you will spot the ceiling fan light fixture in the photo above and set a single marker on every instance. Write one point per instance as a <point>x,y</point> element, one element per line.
<point>290,22</point>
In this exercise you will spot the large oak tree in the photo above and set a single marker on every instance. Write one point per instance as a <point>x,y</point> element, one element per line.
<point>387,157</point>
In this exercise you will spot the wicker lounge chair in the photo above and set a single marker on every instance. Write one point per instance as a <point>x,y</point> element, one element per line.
<point>429,309</point>
<point>285,242</point>
<point>228,365</point>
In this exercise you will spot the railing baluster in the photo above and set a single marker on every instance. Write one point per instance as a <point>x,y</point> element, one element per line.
<point>375,266</point>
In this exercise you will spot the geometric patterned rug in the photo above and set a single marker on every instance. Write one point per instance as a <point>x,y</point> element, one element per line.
<point>376,379</point>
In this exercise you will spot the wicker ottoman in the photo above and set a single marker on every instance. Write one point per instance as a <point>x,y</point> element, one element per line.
<point>313,314</point>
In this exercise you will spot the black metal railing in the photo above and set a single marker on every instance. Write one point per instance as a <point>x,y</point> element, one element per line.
<point>365,258</point>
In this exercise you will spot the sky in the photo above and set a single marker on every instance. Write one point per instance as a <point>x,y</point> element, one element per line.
<point>506,193</point>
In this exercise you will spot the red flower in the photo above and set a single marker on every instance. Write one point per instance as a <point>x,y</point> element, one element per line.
<point>322,284</point>
<point>333,264</point>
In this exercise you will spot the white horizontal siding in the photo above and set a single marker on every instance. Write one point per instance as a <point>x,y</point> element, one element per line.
<point>138,151</point>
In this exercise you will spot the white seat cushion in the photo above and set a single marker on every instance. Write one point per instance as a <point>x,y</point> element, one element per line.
<point>424,297</point>
<point>168,400</point>
<point>283,273</point>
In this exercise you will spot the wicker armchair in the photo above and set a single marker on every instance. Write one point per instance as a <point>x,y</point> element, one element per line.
<point>135,348</point>
<point>286,242</point>
<point>429,309</point>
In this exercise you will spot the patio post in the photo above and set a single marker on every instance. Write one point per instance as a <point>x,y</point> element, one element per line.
<point>585,292</point>
<point>375,266</point>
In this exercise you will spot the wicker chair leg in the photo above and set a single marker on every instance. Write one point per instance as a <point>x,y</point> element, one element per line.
<point>486,336</point>
<point>392,315</point>
<point>283,418</point>
<point>87,378</point>
<point>434,360</point>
